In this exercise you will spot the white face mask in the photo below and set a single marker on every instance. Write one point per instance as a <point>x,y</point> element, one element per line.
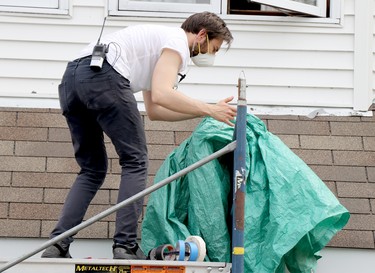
<point>206,59</point>
<point>203,59</point>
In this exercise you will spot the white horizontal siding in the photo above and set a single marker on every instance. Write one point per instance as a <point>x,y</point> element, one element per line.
<point>40,32</point>
<point>29,87</point>
<point>297,59</point>
<point>29,69</point>
<point>263,95</point>
<point>293,41</point>
<point>36,50</point>
<point>271,77</point>
<point>286,64</point>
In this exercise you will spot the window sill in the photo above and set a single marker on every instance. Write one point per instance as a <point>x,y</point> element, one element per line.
<point>16,11</point>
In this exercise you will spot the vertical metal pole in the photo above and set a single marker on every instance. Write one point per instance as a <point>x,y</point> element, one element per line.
<point>239,179</point>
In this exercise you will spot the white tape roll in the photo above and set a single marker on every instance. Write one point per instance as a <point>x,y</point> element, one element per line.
<point>201,246</point>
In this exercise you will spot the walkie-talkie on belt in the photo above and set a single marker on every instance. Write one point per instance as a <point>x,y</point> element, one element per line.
<point>98,53</point>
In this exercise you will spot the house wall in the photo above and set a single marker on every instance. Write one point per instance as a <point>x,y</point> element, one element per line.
<point>290,66</point>
<point>291,70</point>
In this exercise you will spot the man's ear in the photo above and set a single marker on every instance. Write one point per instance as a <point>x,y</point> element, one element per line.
<point>202,35</point>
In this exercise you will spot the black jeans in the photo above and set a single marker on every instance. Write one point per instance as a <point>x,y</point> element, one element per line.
<point>93,103</point>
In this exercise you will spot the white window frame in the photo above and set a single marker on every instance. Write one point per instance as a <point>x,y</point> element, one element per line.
<point>59,7</point>
<point>119,8</point>
<point>319,10</point>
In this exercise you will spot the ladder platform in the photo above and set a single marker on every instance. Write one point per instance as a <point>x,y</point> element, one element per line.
<point>49,265</point>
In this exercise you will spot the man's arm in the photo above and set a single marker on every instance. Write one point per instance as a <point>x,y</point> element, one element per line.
<point>157,112</point>
<point>165,103</point>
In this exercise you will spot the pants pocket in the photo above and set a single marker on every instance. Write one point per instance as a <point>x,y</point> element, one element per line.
<point>98,93</point>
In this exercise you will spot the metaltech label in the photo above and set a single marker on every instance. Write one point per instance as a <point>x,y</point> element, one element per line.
<point>102,268</point>
<point>127,269</point>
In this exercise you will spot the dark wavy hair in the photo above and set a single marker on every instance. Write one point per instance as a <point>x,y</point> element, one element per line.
<point>212,23</point>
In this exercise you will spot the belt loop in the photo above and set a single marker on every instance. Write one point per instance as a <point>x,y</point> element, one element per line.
<point>75,67</point>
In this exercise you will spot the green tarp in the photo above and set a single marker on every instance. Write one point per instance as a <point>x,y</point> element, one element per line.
<point>290,214</point>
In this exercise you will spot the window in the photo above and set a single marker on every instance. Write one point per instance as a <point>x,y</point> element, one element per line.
<point>280,7</point>
<point>35,6</point>
<point>175,8</point>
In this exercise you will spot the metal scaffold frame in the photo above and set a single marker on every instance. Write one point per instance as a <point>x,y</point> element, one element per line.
<point>238,146</point>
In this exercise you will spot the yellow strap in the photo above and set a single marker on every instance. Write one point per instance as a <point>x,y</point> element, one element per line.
<point>238,250</point>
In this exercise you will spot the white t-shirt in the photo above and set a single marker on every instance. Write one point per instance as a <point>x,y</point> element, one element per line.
<point>134,51</point>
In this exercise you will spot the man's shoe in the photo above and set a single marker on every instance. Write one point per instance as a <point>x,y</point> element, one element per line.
<point>58,250</point>
<point>127,252</point>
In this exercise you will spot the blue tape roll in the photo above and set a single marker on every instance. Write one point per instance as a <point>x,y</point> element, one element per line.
<point>193,249</point>
<point>181,250</point>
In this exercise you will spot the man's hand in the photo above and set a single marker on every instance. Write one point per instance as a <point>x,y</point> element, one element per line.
<point>224,112</point>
